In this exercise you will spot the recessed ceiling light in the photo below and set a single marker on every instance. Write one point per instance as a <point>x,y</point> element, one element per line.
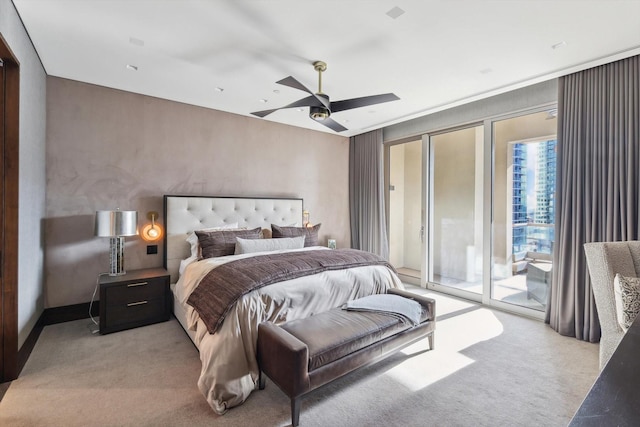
<point>559,45</point>
<point>132,67</point>
<point>135,41</point>
<point>371,111</point>
<point>219,89</point>
<point>299,109</point>
<point>276,91</point>
<point>264,100</point>
<point>395,12</point>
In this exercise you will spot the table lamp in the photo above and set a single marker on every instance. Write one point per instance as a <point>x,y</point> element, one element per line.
<point>116,225</point>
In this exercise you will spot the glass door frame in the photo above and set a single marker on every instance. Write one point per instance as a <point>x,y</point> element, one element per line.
<point>488,176</point>
<point>488,225</point>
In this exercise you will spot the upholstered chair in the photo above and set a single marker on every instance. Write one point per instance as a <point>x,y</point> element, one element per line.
<point>605,260</point>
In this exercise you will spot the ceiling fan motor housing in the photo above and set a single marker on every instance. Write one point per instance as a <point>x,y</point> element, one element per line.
<point>320,113</point>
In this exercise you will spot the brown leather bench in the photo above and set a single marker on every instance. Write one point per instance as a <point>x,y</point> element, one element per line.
<point>302,355</point>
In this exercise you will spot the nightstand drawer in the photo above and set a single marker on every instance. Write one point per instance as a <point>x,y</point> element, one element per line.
<point>136,313</point>
<point>135,291</point>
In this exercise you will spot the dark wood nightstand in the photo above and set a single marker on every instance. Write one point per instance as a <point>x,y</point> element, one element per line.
<point>138,298</point>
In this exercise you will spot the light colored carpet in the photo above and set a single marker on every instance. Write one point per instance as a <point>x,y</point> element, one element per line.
<point>489,368</point>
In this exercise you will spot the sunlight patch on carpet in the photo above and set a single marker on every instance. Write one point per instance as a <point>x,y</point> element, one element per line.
<point>451,337</point>
<point>419,372</point>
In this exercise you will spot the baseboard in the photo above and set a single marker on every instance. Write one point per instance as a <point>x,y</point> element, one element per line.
<point>51,316</point>
<point>69,313</point>
<point>29,344</point>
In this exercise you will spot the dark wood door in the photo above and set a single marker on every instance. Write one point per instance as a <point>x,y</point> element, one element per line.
<point>2,309</point>
<point>9,176</point>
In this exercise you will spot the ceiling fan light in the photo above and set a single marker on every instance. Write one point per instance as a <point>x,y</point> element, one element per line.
<point>319,113</point>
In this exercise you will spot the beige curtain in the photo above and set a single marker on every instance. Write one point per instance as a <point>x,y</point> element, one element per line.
<point>598,183</point>
<point>366,194</point>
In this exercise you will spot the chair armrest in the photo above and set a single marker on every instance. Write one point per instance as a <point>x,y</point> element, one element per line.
<point>284,358</point>
<point>428,303</point>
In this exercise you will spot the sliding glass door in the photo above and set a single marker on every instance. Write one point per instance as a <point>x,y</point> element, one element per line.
<point>454,211</point>
<point>471,210</point>
<point>405,195</point>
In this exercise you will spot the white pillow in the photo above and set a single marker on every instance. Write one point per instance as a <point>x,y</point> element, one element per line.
<point>627,296</point>
<point>247,246</point>
<point>192,238</point>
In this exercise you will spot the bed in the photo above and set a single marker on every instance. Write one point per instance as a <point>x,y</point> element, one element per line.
<point>229,367</point>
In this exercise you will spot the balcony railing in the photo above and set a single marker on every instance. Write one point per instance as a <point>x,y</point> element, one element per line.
<point>538,237</point>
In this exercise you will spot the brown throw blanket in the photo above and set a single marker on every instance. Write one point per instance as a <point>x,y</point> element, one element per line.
<point>224,285</point>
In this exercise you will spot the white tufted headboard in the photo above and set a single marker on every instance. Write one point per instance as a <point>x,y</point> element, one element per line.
<point>183,214</point>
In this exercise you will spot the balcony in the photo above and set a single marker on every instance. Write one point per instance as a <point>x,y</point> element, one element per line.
<point>527,282</point>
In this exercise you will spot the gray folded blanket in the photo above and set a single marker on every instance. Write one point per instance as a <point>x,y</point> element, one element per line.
<point>404,308</point>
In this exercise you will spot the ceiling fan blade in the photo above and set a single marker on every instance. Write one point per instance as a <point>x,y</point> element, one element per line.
<point>291,82</point>
<point>309,101</point>
<point>264,113</point>
<point>348,104</point>
<point>332,124</point>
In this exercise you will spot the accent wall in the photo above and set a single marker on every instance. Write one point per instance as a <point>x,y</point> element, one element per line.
<point>110,149</point>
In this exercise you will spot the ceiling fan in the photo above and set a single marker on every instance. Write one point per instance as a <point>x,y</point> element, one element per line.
<point>320,106</point>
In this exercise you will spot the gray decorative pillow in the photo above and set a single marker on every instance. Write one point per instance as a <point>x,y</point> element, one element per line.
<point>223,242</point>
<point>627,296</point>
<point>246,246</point>
<point>310,233</point>
<point>192,238</point>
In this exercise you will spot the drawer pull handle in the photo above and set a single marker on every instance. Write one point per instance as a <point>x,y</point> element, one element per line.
<point>131,304</point>
<point>131,285</point>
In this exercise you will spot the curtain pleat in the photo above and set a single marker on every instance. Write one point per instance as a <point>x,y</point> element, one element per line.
<point>597,184</point>
<point>366,194</point>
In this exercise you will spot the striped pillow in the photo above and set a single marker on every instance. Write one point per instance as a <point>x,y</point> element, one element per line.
<point>223,242</point>
<point>310,233</point>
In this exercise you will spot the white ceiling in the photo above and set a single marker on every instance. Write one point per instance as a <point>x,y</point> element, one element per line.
<point>436,55</point>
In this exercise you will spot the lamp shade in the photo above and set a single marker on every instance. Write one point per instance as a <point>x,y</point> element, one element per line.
<point>116,223</point>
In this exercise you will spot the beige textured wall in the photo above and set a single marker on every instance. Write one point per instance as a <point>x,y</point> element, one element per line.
<point>108,149</point>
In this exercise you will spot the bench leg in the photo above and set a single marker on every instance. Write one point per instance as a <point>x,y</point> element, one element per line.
<point>431,341</point>
<point>261,380</point>
<point>295,411</point>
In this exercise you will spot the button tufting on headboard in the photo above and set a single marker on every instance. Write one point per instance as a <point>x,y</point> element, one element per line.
<point>187,213</point>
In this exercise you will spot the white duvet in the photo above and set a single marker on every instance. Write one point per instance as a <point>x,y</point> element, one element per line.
<point>229,367</point>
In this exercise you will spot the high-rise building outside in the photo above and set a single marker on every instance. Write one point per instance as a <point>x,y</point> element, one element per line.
<point>545,183</point>
<point>519,198</point>
<point>533,226</point>
<point>542,234</point>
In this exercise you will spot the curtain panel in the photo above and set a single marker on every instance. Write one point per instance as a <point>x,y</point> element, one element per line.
<point>598,184</point>
<point>366,194</point>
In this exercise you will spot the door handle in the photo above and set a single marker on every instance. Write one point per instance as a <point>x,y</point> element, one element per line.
<point>422,233</point>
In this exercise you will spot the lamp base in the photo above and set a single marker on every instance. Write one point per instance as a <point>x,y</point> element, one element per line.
<point>116,254</point>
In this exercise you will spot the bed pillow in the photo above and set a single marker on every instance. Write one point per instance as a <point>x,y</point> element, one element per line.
<point>192,239</point>
<point>266,232</point>
<point>627,296</point>
<point>223,242</point>
<point>310,233</point>
<point>246,246</point>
